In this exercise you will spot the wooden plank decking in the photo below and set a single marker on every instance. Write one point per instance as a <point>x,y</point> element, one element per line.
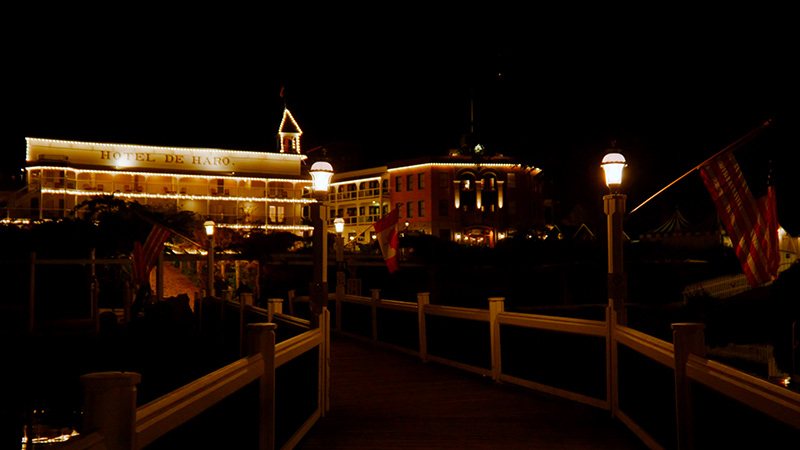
<point>386,400</point>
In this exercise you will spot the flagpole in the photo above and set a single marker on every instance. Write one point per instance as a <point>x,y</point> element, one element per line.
<point>737,143</point>
<point>358,235</point>
<point>169,229</point>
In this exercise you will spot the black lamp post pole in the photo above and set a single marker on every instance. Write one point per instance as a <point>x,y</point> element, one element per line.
<point>318,291</point>
<point>614,206</point>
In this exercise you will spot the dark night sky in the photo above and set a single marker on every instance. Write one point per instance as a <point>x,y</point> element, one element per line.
<point>555,91</point>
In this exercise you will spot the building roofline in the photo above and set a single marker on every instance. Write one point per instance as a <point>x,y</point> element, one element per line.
<point>44,142</point>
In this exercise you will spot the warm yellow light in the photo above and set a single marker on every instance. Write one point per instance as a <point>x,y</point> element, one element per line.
<point>41,141</point>
<point>209,226</point>
<point>338,223</point>
<point>612,164</point>
<point>415,166</point>
<point>360,180</point>
<point>321,173</point>
<point>168,174</point>
<point>173,196</point>
<point>296,139</point>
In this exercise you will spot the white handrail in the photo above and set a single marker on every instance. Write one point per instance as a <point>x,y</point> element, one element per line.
<point>168,412</point>
<point>774,401</point>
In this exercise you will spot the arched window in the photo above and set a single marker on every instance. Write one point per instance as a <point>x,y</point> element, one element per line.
<point>489,182</point>
<point>467,196</point>
<point>467,182</point>
<point>489,192</point>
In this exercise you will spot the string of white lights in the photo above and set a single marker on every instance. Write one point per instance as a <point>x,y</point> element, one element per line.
<point>510,166</point>
<point>171,175</point>
<point>174,196</point>
<point>173,149</point>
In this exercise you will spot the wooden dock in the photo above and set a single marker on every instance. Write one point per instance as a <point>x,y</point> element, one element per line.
<point>386,400</point>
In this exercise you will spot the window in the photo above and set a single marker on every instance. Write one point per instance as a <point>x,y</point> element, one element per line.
<point>410,210</point>
<point>399,208</point>
<point>398,183</point>
<point>421,208</point>
<point>361,210</point>
<point>444,207</point>
<point>410,182</point>
<point>421,181</point>
<point>512,180</point>
<point>444,182</point>
<point>489,182</point>
<point>276,214</point>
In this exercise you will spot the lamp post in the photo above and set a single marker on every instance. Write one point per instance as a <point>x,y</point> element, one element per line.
<point>338,223</point>
<point>209,226</point>
<point>321,174</point>
<point>614,207</point>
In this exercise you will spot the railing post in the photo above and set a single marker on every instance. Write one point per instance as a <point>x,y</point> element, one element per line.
<point>109,407</point>
<point>160,276</point>
<point>241,323</point>
<point>32,297</point>
<point>274,305</point>
<point>376,300</point>
<point>496,306</point>
<point>423,298</point>
<point>290,299</point>
<point>223,303</point>
<point>325,362</point>
<point>198,308</point>
<point>612,361</point>
<point>338,299</point>
<point>261,339</point>
<point>687,338</point>
<point>127,300</point>
<point>94,295</point>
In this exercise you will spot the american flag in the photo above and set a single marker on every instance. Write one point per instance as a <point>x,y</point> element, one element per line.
<point>386,232</point>
<point>751,224</point>
<point>144,257</point>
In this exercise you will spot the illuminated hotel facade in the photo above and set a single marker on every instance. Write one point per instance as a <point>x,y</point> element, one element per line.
<point>474,200</point>
<point>233,188</point>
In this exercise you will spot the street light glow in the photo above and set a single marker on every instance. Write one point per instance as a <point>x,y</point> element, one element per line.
<point>612,164</point>
<point>321,174</point>
<point>338,223</point>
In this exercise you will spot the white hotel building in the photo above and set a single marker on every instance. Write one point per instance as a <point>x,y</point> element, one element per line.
<point>233,188</point>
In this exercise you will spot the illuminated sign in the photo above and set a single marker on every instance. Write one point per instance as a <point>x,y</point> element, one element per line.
<point>123,156</point>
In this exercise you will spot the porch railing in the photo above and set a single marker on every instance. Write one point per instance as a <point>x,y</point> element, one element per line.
<point>538,352</point>
<point>114,422</point>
